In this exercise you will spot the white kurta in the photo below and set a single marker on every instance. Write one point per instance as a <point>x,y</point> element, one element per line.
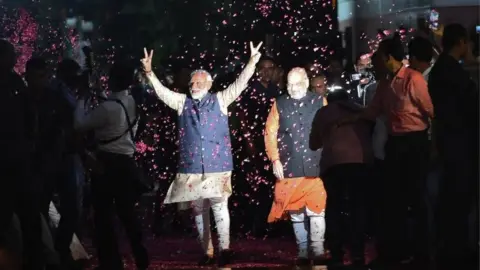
<point>190,187</point>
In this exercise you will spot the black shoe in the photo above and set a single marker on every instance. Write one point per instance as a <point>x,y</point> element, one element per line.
<point>394,261</point>
<point>206,260</point>
<point>318,261</point>
<point>141,259</point>
<point>225,257</point>
<point>359,262</point>
<point>82,263</point>
<point>406,261</point>
<point>355,267</point>
<point>68,263</point>
<point>390,263</point>
<point>302,262</point>
<point>422,262</point>
<point>100,268</point>
<point>52,267</point>
<point>335,262</point>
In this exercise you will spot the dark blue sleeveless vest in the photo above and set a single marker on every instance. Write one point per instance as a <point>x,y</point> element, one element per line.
<point>204,137</point>
<point>296,118</point>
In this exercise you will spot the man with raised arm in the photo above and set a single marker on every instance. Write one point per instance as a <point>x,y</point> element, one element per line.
<point>299,191</point>
<point>205,160</point>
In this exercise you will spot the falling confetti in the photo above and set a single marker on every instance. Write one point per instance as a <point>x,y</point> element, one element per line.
<point>304,30</point>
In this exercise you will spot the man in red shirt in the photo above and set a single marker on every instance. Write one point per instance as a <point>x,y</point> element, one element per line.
<point>405,102</point>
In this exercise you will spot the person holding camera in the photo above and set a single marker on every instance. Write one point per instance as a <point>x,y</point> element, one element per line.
<point>116,177</point>
<point>362,82</point>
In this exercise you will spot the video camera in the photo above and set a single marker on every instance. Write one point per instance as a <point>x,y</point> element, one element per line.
<point>363,77</point>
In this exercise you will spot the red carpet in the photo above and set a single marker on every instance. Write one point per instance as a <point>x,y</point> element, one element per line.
<point>183,253</point>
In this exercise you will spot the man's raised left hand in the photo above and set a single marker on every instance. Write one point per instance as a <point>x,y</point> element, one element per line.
<point>255,52</point>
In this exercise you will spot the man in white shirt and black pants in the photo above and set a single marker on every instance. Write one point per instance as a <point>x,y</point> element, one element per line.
<point>115,122</point>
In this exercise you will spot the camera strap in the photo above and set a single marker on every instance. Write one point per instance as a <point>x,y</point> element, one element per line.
<point>131,125</point>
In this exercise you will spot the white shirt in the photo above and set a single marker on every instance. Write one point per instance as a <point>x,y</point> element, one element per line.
<point>108,120</point>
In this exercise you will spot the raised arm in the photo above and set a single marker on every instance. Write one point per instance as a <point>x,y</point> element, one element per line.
<point>233,91</point>
<point>172,99</point>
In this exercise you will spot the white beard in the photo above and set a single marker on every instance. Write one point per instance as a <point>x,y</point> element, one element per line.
<point>297,94</point>
<point>199,93</point>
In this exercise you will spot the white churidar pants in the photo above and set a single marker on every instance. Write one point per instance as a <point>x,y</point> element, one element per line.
<point>309,227</point>
<point>201,211</point>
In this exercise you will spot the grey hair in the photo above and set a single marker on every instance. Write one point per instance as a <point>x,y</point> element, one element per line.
<point>202,71</point>
<point>302,72</point>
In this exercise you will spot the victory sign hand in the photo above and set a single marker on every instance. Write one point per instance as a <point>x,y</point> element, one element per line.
<point>255,52</point>
<point>147,60</point>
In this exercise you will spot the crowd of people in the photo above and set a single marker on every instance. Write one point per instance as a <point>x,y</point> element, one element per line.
<point>389,152</point>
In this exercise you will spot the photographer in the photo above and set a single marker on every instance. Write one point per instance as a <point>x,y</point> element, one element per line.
<point>116,177</point>
<point>361,81</point>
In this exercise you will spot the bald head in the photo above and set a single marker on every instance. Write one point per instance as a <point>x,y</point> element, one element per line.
<point>200,82</point>
<point>318,85</point>
<point>297,83</point>
<point>298,72</point>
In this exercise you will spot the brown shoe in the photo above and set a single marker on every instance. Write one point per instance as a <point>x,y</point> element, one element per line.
<point>302,262</point>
